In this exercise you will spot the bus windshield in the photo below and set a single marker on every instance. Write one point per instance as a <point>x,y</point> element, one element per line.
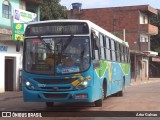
<point>57,55</point>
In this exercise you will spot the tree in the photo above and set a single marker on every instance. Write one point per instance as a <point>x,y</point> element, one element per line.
<point>51,9</point>
<point>155,40</point>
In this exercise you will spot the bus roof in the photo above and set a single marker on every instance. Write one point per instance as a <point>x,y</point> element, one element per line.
<point>91,26</point>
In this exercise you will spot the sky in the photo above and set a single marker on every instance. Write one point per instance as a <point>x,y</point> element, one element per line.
<point>87,4</point>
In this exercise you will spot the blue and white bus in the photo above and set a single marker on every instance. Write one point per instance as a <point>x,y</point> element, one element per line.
<point>73,61</point>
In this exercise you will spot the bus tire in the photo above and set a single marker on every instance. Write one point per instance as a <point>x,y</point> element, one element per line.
<point>121,93</point>
<point>98,103</point>
<point>49,104</point>
<point>104,89</point>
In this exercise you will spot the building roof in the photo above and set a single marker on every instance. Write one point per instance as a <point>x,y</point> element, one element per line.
<point>146,8</point>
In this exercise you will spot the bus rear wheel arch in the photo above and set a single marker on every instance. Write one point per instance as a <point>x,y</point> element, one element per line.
<point>121,93</point>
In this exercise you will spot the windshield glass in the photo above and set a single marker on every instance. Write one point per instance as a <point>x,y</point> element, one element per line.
<point>57,55</point>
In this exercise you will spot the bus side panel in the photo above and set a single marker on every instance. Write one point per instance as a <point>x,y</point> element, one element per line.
<point>117,77</point>
<point>114,73</point>
<point>126,71</point>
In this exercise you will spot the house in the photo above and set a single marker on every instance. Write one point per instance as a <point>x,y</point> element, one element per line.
<point>10,60</point>
<point>131,23</point>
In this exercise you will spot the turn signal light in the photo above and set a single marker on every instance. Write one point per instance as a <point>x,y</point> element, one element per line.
<point>81,96</point>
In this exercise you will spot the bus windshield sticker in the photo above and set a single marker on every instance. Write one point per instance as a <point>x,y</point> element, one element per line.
<point>36,41</point>
<point>64,70</point>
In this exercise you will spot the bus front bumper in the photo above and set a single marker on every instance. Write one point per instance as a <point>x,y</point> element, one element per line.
<point>85,95</point>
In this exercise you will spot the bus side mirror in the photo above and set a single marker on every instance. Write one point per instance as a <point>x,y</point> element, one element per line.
<point>18,45</point>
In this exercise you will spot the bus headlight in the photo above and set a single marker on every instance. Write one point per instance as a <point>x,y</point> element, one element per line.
<point>85,83</point>
<point>28,83</point>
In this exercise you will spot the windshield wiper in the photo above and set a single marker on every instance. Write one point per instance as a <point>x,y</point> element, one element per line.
<point>44,42</point>
<point>68,41</point>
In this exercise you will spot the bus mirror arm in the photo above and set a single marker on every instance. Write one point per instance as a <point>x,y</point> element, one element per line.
<point>96,44</point>
<point>96,63</point>
<point>18,46</point>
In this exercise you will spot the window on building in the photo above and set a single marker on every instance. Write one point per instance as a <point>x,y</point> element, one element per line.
<point>143,18</point>
<point>6,9</point>
<point>144,38</point>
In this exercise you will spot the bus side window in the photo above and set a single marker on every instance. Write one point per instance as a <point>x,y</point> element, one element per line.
<point>125,52</point>
<point>120,57</point>
<point>117,51</point>
<point>95,46</point>
<point>122,53</point>
<point>108,51</point>
<point>127,49</point>
<point>128,54</point>
<point>102,53</point>
<point>113,50</point>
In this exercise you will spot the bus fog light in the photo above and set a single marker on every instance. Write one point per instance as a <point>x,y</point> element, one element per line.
<point>28,83</point>
<point>81,96</point>
<point>32,87</point>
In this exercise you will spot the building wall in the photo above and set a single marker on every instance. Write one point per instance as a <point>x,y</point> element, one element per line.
<point>10,51</point>
<point>2,79</point>
<point>7,22</point>
<point>8,46</point>
<point>22,5</point>
<point>135,21</point>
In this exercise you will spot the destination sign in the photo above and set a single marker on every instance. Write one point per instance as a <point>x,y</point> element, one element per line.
<point>58,28</point>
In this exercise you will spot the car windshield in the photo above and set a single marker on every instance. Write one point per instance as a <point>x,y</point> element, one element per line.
<point>57,55</point>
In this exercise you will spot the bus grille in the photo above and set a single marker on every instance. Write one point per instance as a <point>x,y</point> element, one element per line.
<point>55,81</point>
<point>55,95</point>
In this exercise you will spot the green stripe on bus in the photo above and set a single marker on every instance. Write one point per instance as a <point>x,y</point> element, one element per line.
<point>105,65</point>
<point>125,68</point>
<point>101,70</point>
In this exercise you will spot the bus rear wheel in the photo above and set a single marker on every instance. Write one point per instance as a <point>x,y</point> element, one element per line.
<point>121,93</point>
<point>49,104</point>
<point>98,103</point>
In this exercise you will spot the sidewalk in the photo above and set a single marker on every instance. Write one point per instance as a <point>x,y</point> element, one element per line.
<point>10,95</point>
<point>145,81</point>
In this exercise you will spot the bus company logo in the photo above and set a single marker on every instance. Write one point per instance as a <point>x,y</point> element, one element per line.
<point>6,114</point>
<point>55,88</point>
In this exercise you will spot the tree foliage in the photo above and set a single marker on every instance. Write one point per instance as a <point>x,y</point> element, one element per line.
<point>51,9</point>
<point>155,40</point>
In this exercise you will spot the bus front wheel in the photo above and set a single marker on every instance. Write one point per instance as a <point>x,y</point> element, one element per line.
<point>49,104</point>
<point>99,102</point>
